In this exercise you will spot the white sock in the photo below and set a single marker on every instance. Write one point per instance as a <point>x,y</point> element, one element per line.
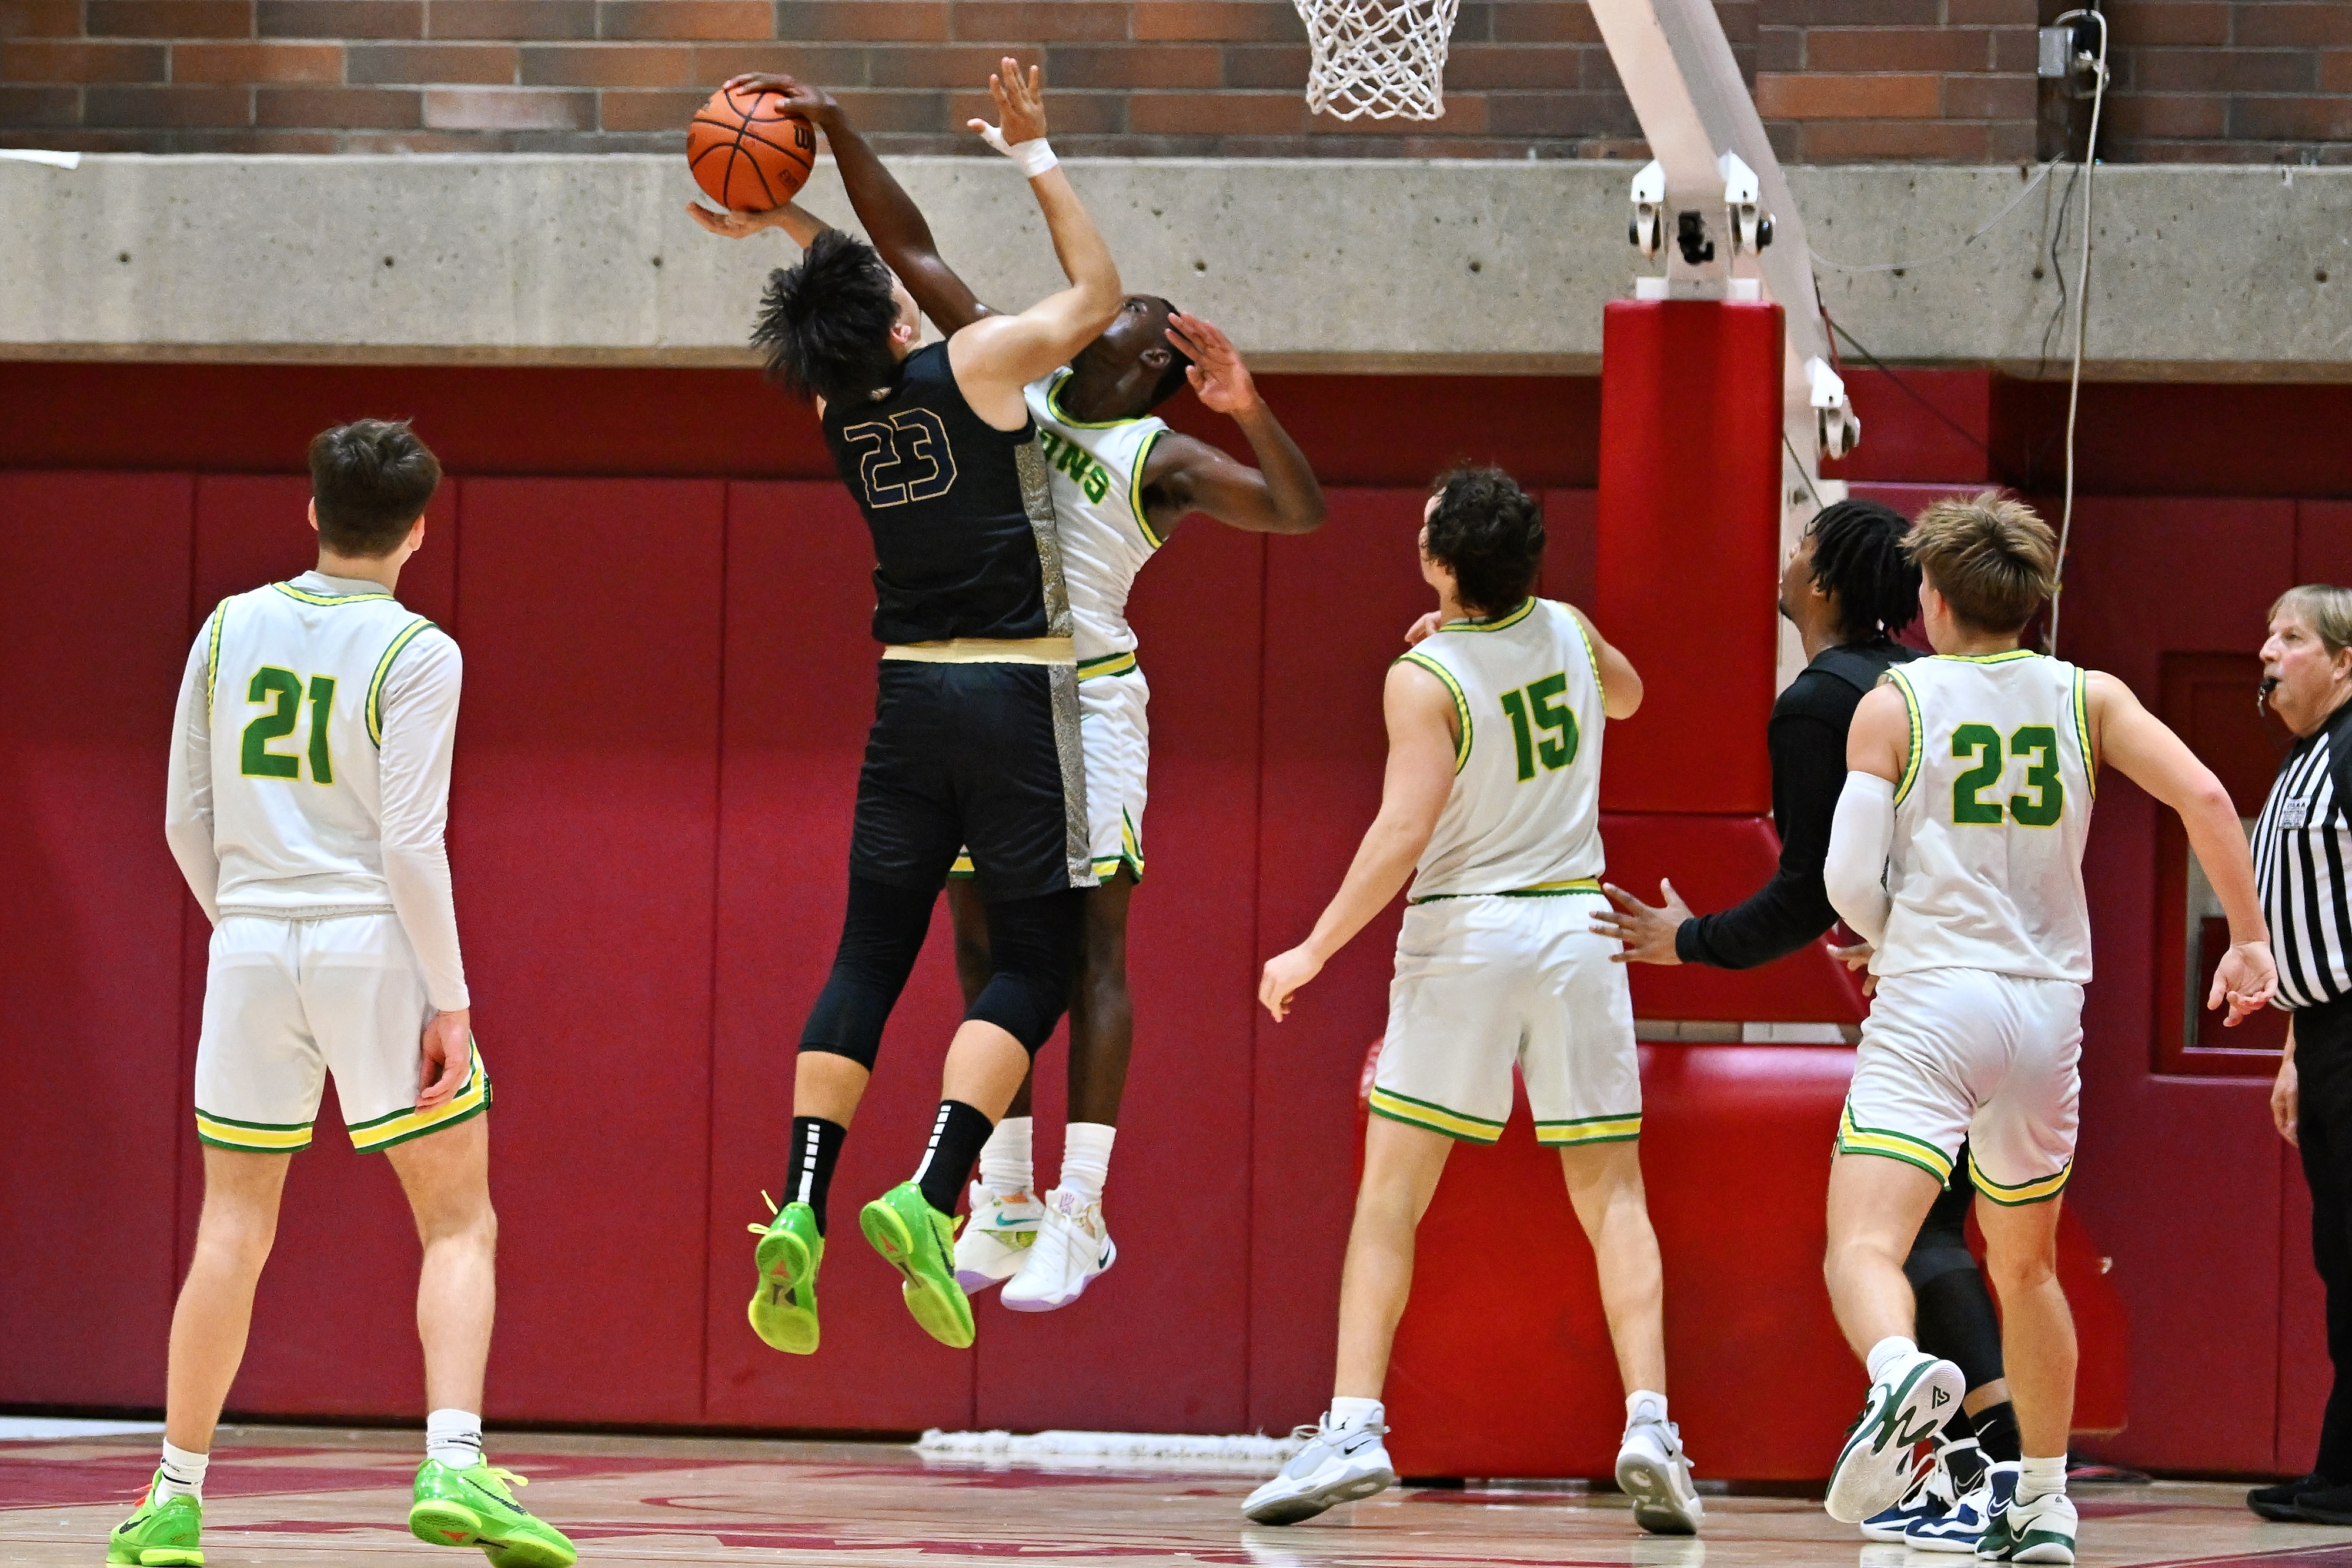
<point>453,1437</point>
<point>1004,1167</point>
<point>1886,1352</point>
<point>1644,1406</point>
<point>1086,1159</point>
<point>2039,1478</point>
<point>181,1474</point>
<point>1348,1413</point>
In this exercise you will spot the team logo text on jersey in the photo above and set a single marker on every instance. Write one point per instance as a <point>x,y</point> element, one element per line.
<point>2036,745</point>
<point>1072,459</point>
<point>905,458</point>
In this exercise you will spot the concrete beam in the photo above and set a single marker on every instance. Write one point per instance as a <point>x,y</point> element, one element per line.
<point>1371,266</point>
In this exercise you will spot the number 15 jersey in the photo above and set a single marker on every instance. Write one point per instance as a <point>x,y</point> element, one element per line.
<point>1525,813</point>
<point>1990,816</point>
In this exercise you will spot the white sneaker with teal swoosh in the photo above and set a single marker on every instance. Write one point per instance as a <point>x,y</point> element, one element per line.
<point>996,1239</point>
<point>1908,1404</point>
<point>1072,1251</point>
<point>1339,1464</point>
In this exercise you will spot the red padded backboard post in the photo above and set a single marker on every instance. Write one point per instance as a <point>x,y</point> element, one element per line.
<point>1689,524</point>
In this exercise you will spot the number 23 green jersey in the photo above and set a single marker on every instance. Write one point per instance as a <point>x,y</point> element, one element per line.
<point>1525,813</point>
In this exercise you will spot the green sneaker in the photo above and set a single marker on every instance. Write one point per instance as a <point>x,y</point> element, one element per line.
<point>473,1508</point>
<point>164,1532</point>
<point>920,1242</point>
<point>784,1307</point>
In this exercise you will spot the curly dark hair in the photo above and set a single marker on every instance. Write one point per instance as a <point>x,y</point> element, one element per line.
<point>1859,556</point>
<point>370,480</point>
<point>824,325</point>
<point>1490,534</point>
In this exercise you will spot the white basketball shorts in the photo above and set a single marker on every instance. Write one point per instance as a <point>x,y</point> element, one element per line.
<point>1493,980</point>
<point>1114,734</point>
<point>1949,1054</point>
<point>288,1002</point>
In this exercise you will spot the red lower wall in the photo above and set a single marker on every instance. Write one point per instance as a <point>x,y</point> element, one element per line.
<point>668,681</point>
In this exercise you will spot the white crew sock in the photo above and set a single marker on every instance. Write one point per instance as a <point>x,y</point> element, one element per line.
<point>1086,1159</point>
<point>453,1437</point>
<point>1004,1164</point>
<point>2039,1478</point>
<point>181,1474</point>
<point>1347,1415</point>
<point>1887,1351</point>
<point>1644,1406</point>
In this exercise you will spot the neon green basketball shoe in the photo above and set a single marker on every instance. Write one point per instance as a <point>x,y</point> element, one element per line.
<point>784,1307</point>
<point>159,1534</point>
<point>920,1242</point>
<point>472,1507</point>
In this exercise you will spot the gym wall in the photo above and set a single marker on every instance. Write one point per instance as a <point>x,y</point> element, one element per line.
<point>662,599</point>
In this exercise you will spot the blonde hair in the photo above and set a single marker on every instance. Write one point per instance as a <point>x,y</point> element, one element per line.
<point>2326,609</point>
<point>1990,557</point>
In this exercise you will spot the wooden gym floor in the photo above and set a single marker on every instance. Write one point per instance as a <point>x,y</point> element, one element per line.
<point>287,1496</point>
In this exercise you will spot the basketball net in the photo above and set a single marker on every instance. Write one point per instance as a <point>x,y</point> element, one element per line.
<point>1382,57</point>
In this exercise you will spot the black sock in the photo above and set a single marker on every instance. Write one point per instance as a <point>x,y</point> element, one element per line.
<point>956,1139</point>
<point>1997,1433</point>
<point>816,1145</point>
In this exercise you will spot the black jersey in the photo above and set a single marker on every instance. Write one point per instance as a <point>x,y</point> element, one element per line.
<point>961,513</point>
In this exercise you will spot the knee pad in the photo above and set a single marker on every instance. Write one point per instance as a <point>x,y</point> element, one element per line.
<point>881,934</point>
<point>1956,1320</point>
<point>1033,953</point>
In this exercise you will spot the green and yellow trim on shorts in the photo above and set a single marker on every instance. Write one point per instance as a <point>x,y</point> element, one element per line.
<point>473,1098</point>
<point>2040,1190</point>
<point>1540,890</point>
<point>1579,1131</point>
<point>253,1137</point>
<point>1461,702</point>
<point>1433,1117</point>
<point>1122,664</point>
<point>1852,1138</point>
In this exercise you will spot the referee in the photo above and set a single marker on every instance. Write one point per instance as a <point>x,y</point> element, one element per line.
<point>2303,860</point>
<point>1848,588</point>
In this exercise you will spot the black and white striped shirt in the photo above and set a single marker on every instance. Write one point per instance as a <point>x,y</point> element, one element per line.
<point>2302,858</point>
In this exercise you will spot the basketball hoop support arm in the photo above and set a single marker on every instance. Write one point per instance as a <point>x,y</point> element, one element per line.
<point>1715,195</point>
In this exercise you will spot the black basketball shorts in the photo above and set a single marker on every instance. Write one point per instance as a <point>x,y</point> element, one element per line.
<point>985,756</point>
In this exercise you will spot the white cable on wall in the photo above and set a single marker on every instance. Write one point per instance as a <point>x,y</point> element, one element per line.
<point>2082,306</point>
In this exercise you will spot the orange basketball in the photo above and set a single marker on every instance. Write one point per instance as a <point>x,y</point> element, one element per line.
<point>747,154</point>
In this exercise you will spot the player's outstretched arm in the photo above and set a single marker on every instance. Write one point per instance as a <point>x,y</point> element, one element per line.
<point>795,220</point>
<point>1412,792</point>
<point>1280,496</point>
<point>892,221</point>
<point>2158,761</point>
<point>188,788</point>
<point>1621,684</point>
<point>996,356</point>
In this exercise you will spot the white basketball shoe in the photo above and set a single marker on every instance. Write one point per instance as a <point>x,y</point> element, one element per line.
<point>996,1238</point>
<point>1653,1469</point>
<point>1908,1404</point>
<point>1072,1251</point>
<point>1339,1464</point>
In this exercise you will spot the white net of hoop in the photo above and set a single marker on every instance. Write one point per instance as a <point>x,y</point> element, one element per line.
<point>1382,57</point>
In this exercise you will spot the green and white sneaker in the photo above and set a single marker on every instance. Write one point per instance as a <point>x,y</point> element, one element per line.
<point>472,1507</point>
<point>2042,1530</point>
<point>159,1534</point>
<point>1911,1401</point>
<point>784,1307</point>
<point>920,1242</point>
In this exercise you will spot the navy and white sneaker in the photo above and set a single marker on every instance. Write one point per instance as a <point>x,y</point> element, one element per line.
<point>1909,1403</point>
<point>1955,1468</point>
<point>1963,1529</point>
<point>1339,1464</point>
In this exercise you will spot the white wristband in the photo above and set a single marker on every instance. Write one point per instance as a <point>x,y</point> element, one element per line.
<point>1033,157</point>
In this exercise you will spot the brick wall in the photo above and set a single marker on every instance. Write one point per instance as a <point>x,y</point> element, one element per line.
<point>2233,82</point>
<point>1837,81</point>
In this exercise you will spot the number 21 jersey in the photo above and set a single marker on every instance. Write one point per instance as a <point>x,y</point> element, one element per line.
<point>1991,817</point>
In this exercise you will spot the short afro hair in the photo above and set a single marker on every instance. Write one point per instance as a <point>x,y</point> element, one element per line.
<point>1490,534</point>
<point>824,325</point>
<point>369,481</point>
<point>1858,556</point>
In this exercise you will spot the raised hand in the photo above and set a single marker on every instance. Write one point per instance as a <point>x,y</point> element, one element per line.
<point>813,104</point>
<point>735,225</point>
<point>1218,377</point>
<point>1020,106</point>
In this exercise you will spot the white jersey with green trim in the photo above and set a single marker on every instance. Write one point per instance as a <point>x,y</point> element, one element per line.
<point>1991,817</point>
<point>1525,813</point>
<point>295,687</point>
<point>1098,511</point>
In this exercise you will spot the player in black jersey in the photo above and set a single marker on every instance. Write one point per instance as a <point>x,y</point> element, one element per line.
<point>975,737</point>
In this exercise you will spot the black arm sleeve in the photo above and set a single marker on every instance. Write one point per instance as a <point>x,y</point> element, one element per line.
<point>1793,908</point>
